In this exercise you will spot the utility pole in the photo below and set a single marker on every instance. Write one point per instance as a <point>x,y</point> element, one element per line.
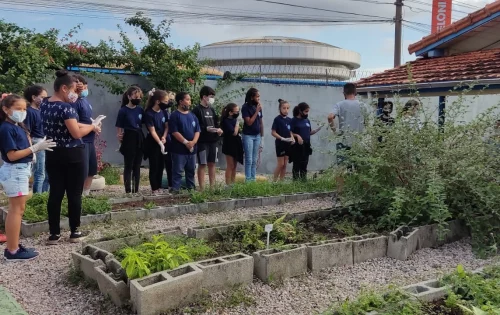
<point>398,25</point>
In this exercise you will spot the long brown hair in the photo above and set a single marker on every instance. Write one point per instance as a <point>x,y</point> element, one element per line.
<point>8,102</point>
<point>129,92</point>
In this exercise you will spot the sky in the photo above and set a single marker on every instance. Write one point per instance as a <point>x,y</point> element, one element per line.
<point>375,42</point>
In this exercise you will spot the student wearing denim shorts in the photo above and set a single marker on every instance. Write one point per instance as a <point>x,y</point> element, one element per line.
<point>17,153</point>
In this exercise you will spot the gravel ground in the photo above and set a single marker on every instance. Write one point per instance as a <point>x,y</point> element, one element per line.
<point>42,287</point>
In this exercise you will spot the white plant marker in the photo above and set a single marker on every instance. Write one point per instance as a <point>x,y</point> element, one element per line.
<point>268,228</point>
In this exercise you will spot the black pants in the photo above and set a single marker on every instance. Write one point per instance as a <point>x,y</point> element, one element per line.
<point>64,167</point>
<point>157,163</point>
<point>132,170</point>
<point>300,160</point>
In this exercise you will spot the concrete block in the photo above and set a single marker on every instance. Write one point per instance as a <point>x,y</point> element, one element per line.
<point>189,208</point>
<point>429,234</point>
<point>115,245</point>
<point>253,202</point>
<point>31,229</point>
<point>97,253</point>
<point>89,219</point>
<point>225,272</point>
<point>209,232</point>
<point>403,242</point>
<point>163,291</point>
<point>329,254</point>
<point>129,215</point>
<point>86,264</point>
<point>293,198</point>
<point>112,286</point>
<point>278,264</point>
<point>164,212</point>
<point>368,246</point>
<point>273,201</point>
<point>115,201</point>
<point>427,291</point>
<point>227,205</point>
<point>239,203</point>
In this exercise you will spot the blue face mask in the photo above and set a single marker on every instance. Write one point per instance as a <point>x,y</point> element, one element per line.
<point>84,93</point>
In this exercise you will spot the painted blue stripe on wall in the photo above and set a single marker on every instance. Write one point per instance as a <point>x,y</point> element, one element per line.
<point>455,35</point>
<point>216,77</point>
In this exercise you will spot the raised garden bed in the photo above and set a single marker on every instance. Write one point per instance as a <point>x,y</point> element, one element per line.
<point>118,211</point>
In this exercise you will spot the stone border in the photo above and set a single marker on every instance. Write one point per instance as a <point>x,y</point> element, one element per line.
<point>31,229</point>
<point>278,264</point>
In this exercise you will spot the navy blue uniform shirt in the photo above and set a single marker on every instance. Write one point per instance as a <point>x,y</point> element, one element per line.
<point>33,122</point>
<point>185,124</point>
<point>228,125</point>
<point>302,127</point>
<point>84,111</point>
<point>54,115</point>
<point>156,120</point>
<point>130,118</point>
<point>282,126</point>
<point>248,110</point>
<point>14,138</point>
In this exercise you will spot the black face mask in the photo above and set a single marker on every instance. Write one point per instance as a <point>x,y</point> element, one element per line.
<point>304,116</point>
<point>236,115</point>
<point>135,101</point>
<point>164,106</point>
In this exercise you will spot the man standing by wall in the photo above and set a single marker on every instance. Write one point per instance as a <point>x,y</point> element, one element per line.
<point>351,121</point>
<point>210,133</point>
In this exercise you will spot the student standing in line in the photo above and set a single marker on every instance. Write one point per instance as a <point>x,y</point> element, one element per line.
<point>301,129</point>
<point>65,163</point>
<point>156,121</point>
<point>184,130</point>
<point>129,128</point>
<point>17,154</point>
<point>84,111</point>
<point>232,146</point>
<point>253,131</point>
<point>284,138</point>
<point>35,95</point>
<point>210,133</point>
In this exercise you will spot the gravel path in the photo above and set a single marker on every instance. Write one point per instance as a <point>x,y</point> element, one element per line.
<point>41,286</point>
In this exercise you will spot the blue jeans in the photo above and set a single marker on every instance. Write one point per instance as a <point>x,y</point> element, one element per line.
<point>41,180</point>
<point>251,146</point>
<point>183,163</point>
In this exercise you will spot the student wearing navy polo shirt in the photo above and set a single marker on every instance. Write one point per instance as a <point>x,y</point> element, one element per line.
<point>17,154</point>
<point>284,138</point>
<point>184,129</point>
<point>156,121</point>
<point>253,131</point>
<point>33,122</point>
<point>301,129</point>
<point>65,163</point>
<point>129,128</point>
<point>84,111</point>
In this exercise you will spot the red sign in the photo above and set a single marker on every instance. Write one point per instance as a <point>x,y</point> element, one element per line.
<point>441,14</point>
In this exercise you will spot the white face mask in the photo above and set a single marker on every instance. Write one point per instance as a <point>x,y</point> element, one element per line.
<point>72,97</point>
<point>211,101</point>
<point>18,116</point>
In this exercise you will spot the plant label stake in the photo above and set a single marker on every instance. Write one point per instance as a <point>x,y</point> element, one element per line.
<point>268,228</point>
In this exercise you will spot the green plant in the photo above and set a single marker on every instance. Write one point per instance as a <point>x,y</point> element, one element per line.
<point>110,174</point>
<point>423,173</point>
<point>252,236</point>
<point>136,263</point>
<point>150,205</point>
<point>163,257</point>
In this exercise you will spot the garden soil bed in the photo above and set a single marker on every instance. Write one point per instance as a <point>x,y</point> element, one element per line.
<point>161,202</point>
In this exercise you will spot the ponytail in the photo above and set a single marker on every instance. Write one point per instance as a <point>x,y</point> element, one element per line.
<point>155,95</point>
<point>229,107</point>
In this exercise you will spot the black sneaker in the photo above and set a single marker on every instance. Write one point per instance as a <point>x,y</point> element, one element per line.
<point>76,236</point>
<point>22,254</point>
<point>54,239</point>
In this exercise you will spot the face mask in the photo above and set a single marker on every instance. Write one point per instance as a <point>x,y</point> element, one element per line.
<point>72,97</point>
<point>236,115</point>
<point>185,107</point>
<point>164,106</point>
<point>135,101</point>
<point>211,101</point>
<point>304,116</point>
<point>18,116</point>
<point>84,93</point>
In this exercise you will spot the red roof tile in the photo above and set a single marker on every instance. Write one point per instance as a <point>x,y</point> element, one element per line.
<point>472,18</point>
<point>468,66</point>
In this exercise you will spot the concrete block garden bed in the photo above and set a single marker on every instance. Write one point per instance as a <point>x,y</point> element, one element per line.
<point>143,208</point>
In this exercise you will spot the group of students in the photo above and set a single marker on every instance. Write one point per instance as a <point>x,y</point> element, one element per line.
<point>54,137</point>
<point>179,138</point>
